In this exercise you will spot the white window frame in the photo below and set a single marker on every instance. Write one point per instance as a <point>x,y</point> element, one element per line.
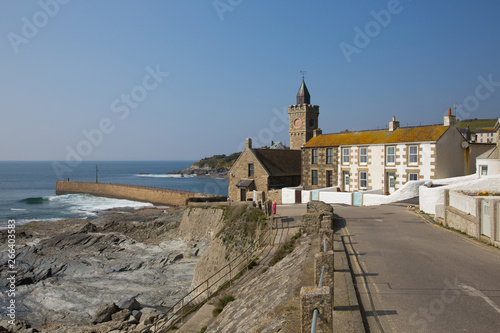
<point>365,155</point>
<point>314,156</point>
<point>329,158</point>
<point>410,155</point>
<point>363,179</point>
<point>483,170</point>
<point>344,155</point>
<point>313,182</point>
<point>388,155</point>
<point>410,174</point>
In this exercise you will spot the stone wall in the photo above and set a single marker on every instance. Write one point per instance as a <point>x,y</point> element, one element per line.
<point>458,220</point>
<point>153,195</point>
<point>275,195</point>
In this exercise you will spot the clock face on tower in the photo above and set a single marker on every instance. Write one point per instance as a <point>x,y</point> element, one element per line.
<point>297,123</point>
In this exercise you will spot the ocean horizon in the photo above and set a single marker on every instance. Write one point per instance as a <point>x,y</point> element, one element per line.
<point>27,188</point>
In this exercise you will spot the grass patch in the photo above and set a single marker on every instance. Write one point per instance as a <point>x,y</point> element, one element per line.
<point>203,329</point>
<point>221,304</point>
<point>285,249</point>
<point>291,308</point>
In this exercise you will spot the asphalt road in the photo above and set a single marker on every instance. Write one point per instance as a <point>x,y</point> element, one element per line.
<point>413,276</point>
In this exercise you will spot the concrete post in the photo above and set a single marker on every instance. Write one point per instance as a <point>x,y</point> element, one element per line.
<point>324,259</point>
<point>446,205</point>
<point>493,217</point>
<point>478,217</point>
<point>327,221</point>
<point>316,298</point>
<point>328,233</point>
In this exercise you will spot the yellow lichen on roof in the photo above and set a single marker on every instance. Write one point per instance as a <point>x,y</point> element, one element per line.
<point>400,135</point>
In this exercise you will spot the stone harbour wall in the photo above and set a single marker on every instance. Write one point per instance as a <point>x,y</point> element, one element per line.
<point>153,195</point>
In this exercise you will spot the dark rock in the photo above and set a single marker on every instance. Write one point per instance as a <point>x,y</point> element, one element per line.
<point>89,227</point>
<point>121,315</point>
<point>137,314</point>
<point>178,257</point>
<point>104,312</point>
<point>130,304</point>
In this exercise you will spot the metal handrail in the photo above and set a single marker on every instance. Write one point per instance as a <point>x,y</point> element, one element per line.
<point>316,311</point>
<point>247,251</point>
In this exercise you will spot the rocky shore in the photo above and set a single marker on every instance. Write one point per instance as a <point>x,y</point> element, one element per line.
<point>116,272</point>
<point>203,171</point>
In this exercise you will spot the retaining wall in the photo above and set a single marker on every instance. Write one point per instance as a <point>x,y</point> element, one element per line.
<point>153,195</point>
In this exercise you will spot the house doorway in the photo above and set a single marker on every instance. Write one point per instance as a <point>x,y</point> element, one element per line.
<point>391,180</point>
<point>345,176</point>
<point>243,192</point>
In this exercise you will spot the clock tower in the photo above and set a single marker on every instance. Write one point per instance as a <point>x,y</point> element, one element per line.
<point>303,118</point>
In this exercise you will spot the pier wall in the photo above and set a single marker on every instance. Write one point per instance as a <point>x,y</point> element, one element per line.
<point>153,195</point>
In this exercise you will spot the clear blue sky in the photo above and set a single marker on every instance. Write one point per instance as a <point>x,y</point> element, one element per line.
<point>228,68</point>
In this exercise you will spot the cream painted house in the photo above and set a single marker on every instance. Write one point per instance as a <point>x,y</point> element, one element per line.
<point>488,163</point>
<point>387,159</point>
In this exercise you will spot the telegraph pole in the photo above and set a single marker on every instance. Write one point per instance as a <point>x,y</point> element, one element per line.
<point>96,171</point>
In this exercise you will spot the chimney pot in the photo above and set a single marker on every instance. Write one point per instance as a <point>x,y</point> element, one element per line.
<point>248,143</point>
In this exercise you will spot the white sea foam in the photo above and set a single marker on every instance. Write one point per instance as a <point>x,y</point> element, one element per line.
<point>150,175</point>
<point>88,205</point>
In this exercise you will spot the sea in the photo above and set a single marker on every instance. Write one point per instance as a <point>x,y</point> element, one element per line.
<point>28,189</point>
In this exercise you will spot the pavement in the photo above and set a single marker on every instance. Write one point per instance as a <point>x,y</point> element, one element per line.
<point>415,276</point>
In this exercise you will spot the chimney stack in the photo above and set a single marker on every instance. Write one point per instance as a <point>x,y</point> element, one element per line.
<point>317,132</point>
<point>393,125</point>
<point>248,143</point>
<point>450,119</point>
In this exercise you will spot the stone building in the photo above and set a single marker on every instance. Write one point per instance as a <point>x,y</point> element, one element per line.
<point>259,173</point>
<point>387,159</point>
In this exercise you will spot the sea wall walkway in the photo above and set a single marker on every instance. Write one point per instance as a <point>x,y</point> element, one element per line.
<point>158,196</point>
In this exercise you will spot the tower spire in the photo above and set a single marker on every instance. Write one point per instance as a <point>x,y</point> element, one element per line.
<point>303,96</point>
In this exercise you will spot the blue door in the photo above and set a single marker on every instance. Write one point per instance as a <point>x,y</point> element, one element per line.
<point>315,195</point>
<point>357,199</point>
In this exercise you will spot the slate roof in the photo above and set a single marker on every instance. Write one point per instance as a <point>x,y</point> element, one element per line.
<point>492,154</point>
<point>400,135</point>
<point>280,162</point>
<point>303,96</point>
<point>244,183</point>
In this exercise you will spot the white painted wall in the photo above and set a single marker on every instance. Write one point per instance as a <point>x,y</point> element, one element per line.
<point>493,166</point>
<point>336,197</point>
<point>430,197</point>
<point>306,196</point>
<point>465,203</point>
<point>425,168</point>
<point>288,194</point>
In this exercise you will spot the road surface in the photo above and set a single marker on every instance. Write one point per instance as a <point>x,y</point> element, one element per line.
<point>414,276</point>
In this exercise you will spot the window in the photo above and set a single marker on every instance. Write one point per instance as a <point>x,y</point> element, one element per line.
<point>362,155</point>
<point>345,155</point>
<point>413,154</point>
<point>250,170</point>
<point>391,155</point>
<point>329,178</point>
<point>412,176</point>
<point>314,179</point>
<point>329,156</point>
<point>362,179</point>
<point>484,170</point>
<point>314,156</point>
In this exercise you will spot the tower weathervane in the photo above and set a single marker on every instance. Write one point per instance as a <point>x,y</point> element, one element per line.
<point>303,74</point>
